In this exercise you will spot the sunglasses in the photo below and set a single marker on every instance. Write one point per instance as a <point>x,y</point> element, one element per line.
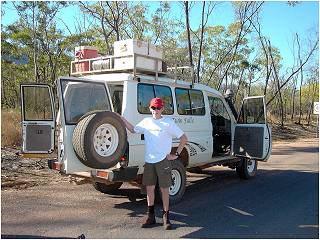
<point>156,108</point>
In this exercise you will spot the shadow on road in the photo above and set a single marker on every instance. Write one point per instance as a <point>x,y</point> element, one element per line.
<point>5,236</point>
<point>275,204</point>
<point>294,150</point>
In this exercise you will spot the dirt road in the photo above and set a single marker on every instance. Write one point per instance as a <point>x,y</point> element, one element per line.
<point>282,201</point>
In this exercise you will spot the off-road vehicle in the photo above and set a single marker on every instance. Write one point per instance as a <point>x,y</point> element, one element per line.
<point>92,141</point>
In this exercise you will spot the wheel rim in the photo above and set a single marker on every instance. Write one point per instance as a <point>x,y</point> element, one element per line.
<point>176,182</point>
<point>251,165</point>
<point>105,140</point>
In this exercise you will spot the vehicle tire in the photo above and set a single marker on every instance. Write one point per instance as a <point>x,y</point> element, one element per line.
<point>107,188</point>
<point>178,187</point>
<point>100,139</point>
<point>247,168</point>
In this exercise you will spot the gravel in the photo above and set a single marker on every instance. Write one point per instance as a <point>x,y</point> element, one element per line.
<point>21,173</point>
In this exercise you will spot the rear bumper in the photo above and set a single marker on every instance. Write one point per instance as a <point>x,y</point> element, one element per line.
<point>117,175</point>
<point>127,174</point>
<point>124,175</point>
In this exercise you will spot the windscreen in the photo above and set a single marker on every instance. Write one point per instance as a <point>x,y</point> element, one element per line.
<point>80,98</point>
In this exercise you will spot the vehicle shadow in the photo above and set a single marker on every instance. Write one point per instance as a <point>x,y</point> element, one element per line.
<point>224,206</point>
<point>6,236</point>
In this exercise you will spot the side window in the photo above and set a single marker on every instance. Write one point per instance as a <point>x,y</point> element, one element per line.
<point>148,91</point>
<point>183,101</point>
<point>164,93</point>
<point>217,108</point>
<point>117,101</point>
<point>189,102</point>
<point>197,102</point>
<point>145,94</point>
<point>116,93</point>
<point>252,111</point>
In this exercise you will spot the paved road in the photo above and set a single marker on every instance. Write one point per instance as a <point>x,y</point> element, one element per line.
<point>282,201</point>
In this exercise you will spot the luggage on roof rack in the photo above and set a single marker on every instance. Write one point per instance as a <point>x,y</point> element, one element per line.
<point>129,56</point>
<point>134,63</point>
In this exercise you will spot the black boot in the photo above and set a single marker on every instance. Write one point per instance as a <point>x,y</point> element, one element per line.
<point>166,220</point>
<point>150,219</point>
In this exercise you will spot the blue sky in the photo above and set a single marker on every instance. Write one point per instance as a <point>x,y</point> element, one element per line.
<point>279,21</point>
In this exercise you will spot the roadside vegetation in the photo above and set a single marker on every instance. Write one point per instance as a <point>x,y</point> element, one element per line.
<point>39,46</point>
<point>10,128</point>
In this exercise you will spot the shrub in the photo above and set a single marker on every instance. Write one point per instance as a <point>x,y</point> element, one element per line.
<point>10,127</point>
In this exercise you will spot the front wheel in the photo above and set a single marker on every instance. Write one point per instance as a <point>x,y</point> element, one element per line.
<point>247,168</point>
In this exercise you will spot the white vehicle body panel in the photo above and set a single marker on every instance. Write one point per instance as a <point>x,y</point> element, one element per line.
<point>197,128</point>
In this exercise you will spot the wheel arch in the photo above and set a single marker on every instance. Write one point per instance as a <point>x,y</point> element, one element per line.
<point>184,155</point>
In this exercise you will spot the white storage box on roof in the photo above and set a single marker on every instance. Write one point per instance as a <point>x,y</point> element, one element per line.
<point>141,62</point>
<point>153,54</point>
<point>155,51</point>
<point>130,46</point>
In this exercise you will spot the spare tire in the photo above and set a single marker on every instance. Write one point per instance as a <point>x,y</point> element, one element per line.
<point>100,139</point>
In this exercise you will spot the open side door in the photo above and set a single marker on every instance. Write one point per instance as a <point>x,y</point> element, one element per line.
<point>252,135</point>
<point>37,112</point>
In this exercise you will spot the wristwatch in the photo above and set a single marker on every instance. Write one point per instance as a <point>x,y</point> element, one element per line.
<point>177,154</point>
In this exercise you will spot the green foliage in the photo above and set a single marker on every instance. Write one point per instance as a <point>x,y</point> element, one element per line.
<point>35,48</point>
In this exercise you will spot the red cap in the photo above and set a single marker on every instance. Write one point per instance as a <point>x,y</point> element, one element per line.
<point>156,102</point>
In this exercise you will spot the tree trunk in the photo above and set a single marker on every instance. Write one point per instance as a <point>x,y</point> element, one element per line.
<point>238,88</point>
<point>186,8</point>
<point>301,79</point>
<point>201,41</point>
<point>293,97</point>
<point>281,104</point>
<point>34,43</point>
<point>275,74</point>
<point>250,80</point>
<point>314,89</point>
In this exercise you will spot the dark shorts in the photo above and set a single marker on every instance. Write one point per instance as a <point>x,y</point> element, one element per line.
<point>160,171</point>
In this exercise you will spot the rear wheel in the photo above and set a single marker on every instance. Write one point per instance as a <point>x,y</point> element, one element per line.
<point>247,168</point>
<point>107,188</point>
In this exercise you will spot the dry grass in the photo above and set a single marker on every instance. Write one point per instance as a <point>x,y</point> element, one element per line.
<point>10,128</point>
<point>291,129</point>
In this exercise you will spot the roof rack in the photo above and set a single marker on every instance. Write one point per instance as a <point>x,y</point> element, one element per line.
<point>134,63</point>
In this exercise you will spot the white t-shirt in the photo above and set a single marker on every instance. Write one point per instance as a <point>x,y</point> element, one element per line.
<point>158,134</point>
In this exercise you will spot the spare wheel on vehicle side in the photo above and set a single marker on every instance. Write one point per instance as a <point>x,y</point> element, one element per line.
<point>100,139</point>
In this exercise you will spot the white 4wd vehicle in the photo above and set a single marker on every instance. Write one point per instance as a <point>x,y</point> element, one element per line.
<point>92,141</point>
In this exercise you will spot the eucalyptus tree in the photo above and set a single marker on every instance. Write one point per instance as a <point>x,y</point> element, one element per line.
<point>39,32</point>
<point>34,46</point>
<point>109,16</point>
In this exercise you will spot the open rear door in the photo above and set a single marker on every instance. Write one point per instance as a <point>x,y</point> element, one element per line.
<point>37,112</point>
<point>252,135</point>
